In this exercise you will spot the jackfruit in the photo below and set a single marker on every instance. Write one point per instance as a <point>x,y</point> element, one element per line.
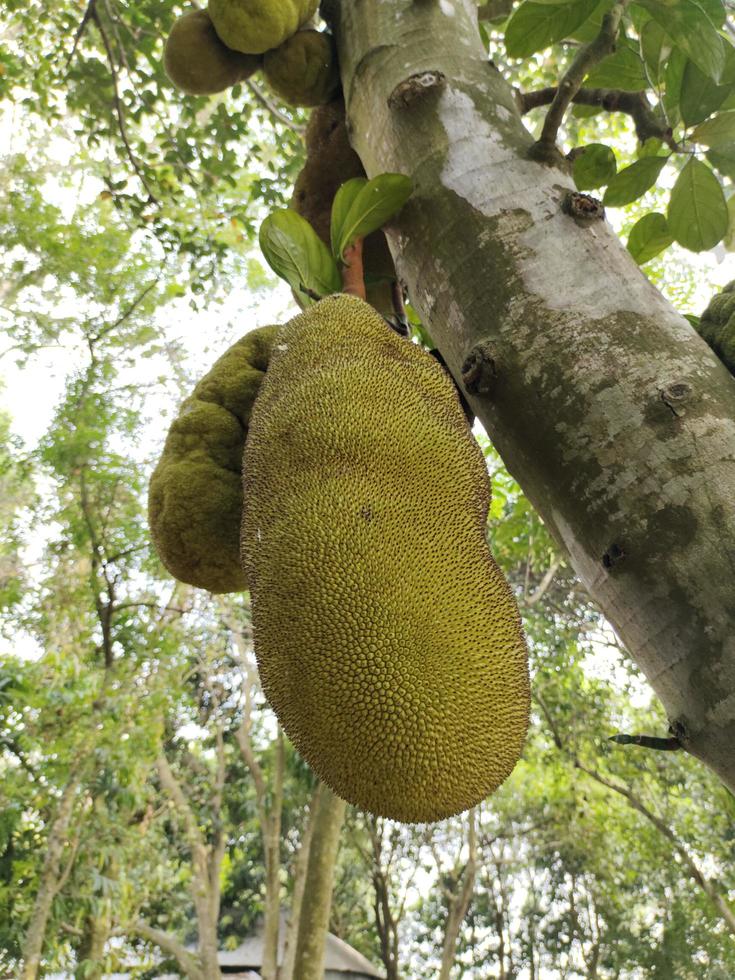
<point>197,61</point>
<point>256,26</point>
<point>330,161</point>
<point>195,497</point>
<point>717,326</point>
<point>303,70</point>
<point>388,642</point>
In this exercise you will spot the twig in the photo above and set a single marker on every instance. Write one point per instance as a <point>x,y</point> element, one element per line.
<point>88,15</point>
<point>633,104</point>
<point>546,581</point>
<point>273,109</point>
<point>118,105</point>
<point>589,55</point>
<point>649,742</point>
<point>353,277</point>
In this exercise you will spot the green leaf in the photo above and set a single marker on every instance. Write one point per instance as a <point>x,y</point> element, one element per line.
<point>655,46</point>
<point>372,206</point>
<point>594,167</point>
<point>693,319</point>
<point>341,205</point>
<point>534,26</point>
<point>729,239</point>
<point>648,237</point>
<point>673,78</point>
<point>691,29</point>
<point>622,70</point>
<point>723,160</point>
<point>699,96</point>
<point>697,214</point>
<point>632,182</point>
<point>717,131</point>
<point>295,252</point>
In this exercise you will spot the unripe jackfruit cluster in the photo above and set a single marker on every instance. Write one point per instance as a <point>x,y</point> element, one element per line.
<point>717,326</point>
<point>211,50</point>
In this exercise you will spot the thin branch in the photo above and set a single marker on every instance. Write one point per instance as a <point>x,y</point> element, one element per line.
<point>587,57</point>
<point>169,944</point>
<point>633,104</point>
<point>176,794</point>
<point>118,105</point>
<point>544,584</point>
<point>88,15</point>
<point>273,109</point>
<point>126,313</point>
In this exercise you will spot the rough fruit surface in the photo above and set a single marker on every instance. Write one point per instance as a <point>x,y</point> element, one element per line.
<point>255,26</point>
<point>199,63</point>
<point>717,326</point>
<point>303,70</point>
<point>195,496</point>
<point>388,642</point>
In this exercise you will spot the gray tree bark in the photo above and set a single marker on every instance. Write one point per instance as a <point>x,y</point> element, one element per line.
<point>612,414</point>
<point>317,900</point>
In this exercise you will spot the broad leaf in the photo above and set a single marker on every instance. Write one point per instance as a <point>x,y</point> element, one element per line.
<point>691,29</point>
<point>341,205</point>
<point>723,160</point>
<point>673,79</point>
<point>729,239</point>
<point>594,167</point>
<point>648,237</point>
<point>632,182</point>
<point>697,214</point>
<point>534,26</point>
<point>699,96</point>
<point>655,46</point>
<point>372,206</point>
<point>717,131</point>
<point>622,70</point>
<point>295,252</point>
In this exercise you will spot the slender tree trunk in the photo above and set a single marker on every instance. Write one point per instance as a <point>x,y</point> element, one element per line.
<point>90,954</point>
<point>49,884</point>
<point>459,903</point>
<point>610,411</point>
<point>272,842</point>
<point>314,918</point>
<point>297,896</point>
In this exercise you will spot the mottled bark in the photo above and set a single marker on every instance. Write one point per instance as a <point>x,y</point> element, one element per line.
<point>301,865</point>
<point>314,918</point>
<point>612,414</point>
<point>91,949</point>
<point>459,901</point>
<point>49,885</point>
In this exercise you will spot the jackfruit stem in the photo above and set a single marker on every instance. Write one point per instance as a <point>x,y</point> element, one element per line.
<point>353,277</point>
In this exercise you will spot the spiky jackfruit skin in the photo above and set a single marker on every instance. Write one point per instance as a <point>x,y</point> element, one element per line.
<point>388,642</point>
<point>256,26</point>
<point>717,326</point>
<point>195,496</point>
<point>303,70</point>
<point>199,63</point>
<point>330,161</point>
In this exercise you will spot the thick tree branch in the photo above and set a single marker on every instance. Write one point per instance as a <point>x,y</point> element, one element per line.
<point>174,791</point>
<point>586,58</point>
<point>166,942</point>
<point>633,104</point>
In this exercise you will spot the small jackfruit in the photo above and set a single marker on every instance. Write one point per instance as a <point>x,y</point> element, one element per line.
<point>717,326</point>
<point>303,70</point>
<point>388,642</point>
<point>330,161</point>
<point>195,496</point>
<point>256,26</point>
<point>199,63</point>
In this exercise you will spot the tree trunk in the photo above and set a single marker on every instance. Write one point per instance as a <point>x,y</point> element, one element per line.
<point>459,903</point>
<point>314,918</point>
<point>90,955</point>
<point>612,414</point>
<point>297,896</point>
<point>272,846</point>
<point>49,884</point>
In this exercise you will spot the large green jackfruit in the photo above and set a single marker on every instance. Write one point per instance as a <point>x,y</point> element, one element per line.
<point>717,326</point>
<point>256,26</point>
<point>195,496</point>
<point>388,642</point>
<point>303,70</point>
<point>330,161</point>
<point>197,61</point>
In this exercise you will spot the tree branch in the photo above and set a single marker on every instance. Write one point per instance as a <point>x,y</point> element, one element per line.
<point>117,104</point>
<point>633,104</point>
<point>589,55</point>
<point>169,944</point>
<point>176,794</point>
<point>281,117</point>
